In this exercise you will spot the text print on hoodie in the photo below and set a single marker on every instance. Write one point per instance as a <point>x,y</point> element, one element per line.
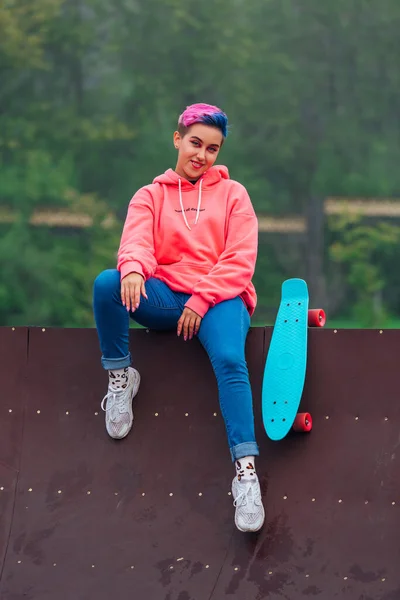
<point>199,239</point>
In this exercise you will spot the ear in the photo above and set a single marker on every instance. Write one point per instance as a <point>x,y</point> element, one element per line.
<point>177,140</point>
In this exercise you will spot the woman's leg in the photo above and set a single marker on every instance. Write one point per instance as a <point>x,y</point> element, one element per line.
<point>112,320</point>
<point>161,310</point>
<point>223,333</point>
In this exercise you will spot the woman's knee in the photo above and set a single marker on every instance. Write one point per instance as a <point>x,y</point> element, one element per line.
<point>106,284</point>
<point>229,360</point>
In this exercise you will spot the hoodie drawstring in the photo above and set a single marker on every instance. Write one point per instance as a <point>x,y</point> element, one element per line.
<point>198,204</point>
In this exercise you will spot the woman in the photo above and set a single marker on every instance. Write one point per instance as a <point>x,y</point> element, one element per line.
<point>185,262</point>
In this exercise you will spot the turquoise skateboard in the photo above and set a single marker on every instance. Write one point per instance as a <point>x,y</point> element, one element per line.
<point>285,367</point>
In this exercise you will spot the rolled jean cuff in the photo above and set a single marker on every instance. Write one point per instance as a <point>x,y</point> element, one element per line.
<point>245,449</point>
<point>116,363</point>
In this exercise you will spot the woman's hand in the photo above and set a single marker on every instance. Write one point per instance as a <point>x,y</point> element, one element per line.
<point>131,287</point>
<point>189,324</point>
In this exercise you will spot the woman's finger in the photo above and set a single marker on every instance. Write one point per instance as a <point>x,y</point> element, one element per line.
<point>197,325</point>
<point>132,296</point>
<point>143,290</point>
<point>136,295</point>
<point>128,297</point>
<point>125,295</point>
<point>192,325</point>
<point>179,327</point>
<point>186,327</point>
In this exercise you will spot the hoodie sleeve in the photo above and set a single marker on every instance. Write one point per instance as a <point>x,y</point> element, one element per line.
<point>235,267</point>
<point>136,250</point>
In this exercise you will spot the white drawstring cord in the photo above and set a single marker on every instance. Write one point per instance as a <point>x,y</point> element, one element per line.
<point>198,204</point>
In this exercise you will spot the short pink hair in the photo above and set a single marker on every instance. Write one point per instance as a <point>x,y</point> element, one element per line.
<point>206,114</point>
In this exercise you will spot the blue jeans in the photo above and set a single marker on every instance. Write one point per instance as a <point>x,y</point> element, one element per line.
<point>223,333</point>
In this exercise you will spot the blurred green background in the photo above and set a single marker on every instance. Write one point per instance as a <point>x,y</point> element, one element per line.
<point>90,92</point>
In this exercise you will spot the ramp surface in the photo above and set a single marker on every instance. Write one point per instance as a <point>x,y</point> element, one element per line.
<point>84,516</point>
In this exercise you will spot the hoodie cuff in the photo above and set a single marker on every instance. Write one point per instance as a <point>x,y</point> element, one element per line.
<point>198,304</point>
<point>131,267</point>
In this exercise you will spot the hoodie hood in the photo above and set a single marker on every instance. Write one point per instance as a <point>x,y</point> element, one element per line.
<point>207,181</point>
<point>210,178</point>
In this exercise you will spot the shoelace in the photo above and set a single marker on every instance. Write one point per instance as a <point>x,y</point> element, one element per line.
<point>115,398</point>
<point>243,495</point>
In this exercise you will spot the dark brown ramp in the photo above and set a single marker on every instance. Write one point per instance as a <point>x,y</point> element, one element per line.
<point>332,496</point>
<point>150,516</point>
<point>13,359</point>
<point>96,518</point>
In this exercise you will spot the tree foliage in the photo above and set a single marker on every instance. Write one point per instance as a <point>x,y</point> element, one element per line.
<point>364,250</point>
<point>90,92</point>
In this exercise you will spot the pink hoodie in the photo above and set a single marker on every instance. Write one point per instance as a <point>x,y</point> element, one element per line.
<point>199,239</point>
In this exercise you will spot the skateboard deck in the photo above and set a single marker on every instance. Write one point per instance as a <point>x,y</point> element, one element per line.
<point>285,367</point>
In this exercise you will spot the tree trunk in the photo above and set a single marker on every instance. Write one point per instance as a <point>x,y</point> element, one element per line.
<point>315,217</point>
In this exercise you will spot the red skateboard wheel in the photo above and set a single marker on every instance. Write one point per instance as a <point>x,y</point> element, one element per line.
<point>316,317</point>
<point>302,422</point>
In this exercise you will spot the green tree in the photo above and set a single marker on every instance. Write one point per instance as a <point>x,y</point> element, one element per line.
<point>90,94</point>
<point>362,250</point>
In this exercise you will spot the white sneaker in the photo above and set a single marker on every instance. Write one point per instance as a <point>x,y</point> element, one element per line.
<point>119,415</point>
<point>249,514</point>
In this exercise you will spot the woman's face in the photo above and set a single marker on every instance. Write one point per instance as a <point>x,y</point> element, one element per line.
<point>197,150</point>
